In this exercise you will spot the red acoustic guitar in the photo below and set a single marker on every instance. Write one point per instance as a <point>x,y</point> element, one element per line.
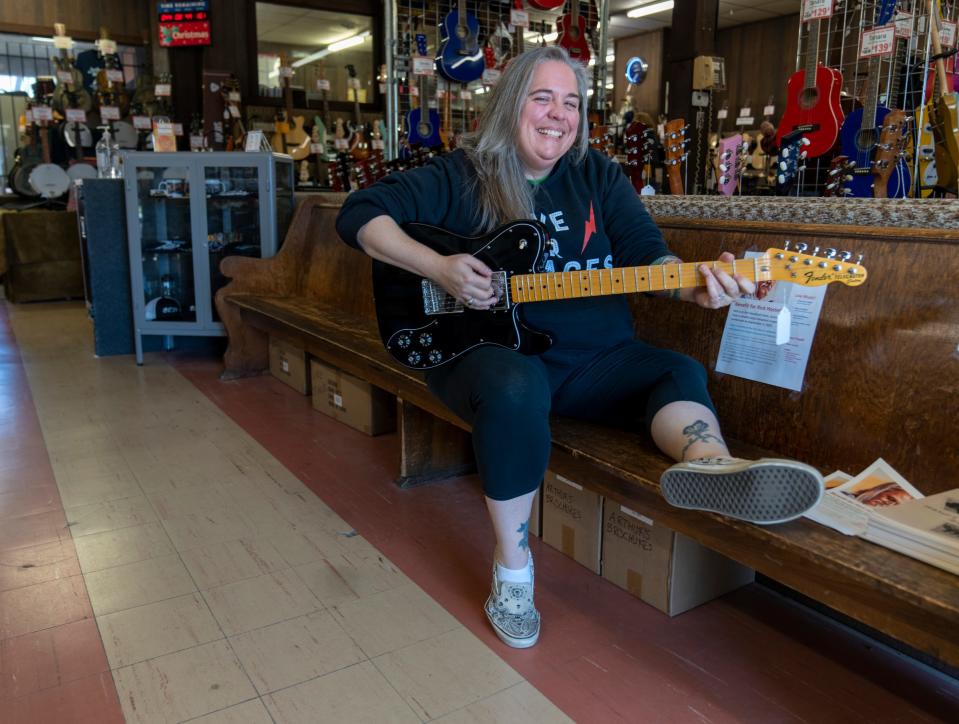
<point>546,4</point>
<point>812,101</point>
<point>572,34</point>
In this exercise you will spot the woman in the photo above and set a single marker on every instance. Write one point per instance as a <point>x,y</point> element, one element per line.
<point>529,158</point>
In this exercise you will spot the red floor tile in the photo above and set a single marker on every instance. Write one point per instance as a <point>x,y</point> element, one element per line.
<point>92,700</point>
<point>21,567</point>
<point>50,658</point>
<point>43,605</point>
<point>29,500</point>
<point>34,530</point>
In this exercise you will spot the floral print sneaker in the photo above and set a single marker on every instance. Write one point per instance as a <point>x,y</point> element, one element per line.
<point>511,612</point>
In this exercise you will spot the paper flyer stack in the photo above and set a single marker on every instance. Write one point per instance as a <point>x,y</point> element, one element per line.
<point>881,506</point>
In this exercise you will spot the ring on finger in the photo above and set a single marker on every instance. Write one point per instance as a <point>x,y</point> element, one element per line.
<point>469,302</point>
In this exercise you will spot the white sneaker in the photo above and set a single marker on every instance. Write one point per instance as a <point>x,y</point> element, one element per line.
<point>511,612</point>
<point>763,491</point>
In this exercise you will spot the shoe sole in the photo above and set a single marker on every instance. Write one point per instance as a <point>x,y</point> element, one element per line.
<point>763,493</point>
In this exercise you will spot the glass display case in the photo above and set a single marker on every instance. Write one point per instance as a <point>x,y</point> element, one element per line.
<point>185,213</point>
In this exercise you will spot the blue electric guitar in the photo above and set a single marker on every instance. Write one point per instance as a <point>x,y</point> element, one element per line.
<point>460,58</point>
<point>860,134</point>
<point>423,122</point>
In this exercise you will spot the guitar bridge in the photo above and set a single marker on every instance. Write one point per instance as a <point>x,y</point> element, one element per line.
<point>437,300</point>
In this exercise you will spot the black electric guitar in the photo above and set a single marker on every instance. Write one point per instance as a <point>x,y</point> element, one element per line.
<point>423,326</point>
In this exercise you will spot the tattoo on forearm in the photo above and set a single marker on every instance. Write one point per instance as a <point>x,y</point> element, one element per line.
<point>524,541</point>
<point>699,432</point>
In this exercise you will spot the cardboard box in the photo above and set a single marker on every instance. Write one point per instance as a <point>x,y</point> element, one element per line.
<point>351,400</point>
<point>288,364</point>
<point>572,519</point>
<point>536,514</point>
<point>664,568</point>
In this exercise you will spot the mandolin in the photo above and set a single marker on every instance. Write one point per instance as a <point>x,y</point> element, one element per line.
<point>423,327</point>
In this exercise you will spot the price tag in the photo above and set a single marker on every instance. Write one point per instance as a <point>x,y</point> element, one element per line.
<point>64,76</point>
<point>110,113</point>
<point>142,123</point>
<point>519,18</point>
<point>903,24</point>
<point>316,148</point>
<point>816,9</point>
<point>745,121</point>
<point>947,35</point>
<point>491,76</point>
<point>341,144</point>
<point>162,89</point>
<point>177,129</point>
<point>382,87</point>
<point>440,93</point>
<point>76,115</point>
<point>197,141</point>
<point>234,111</point>
<point>322,84</point>
<point>254,141</point>
<point>106,46</point>
<point>877,41</point>
<point>233,97</point>
<point>377,144</point>
<point>42,113</point>
<point>353,83</point>
<point>722,113</point>
<point>422,66</point>
<point>745,111</point>
<point>286,71</point>
<point>769,110</point>
<point>62,42</point>
<point>114,75</point>
<point>465,95</point>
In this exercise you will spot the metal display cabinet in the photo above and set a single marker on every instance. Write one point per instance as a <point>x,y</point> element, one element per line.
<point>185,213</point>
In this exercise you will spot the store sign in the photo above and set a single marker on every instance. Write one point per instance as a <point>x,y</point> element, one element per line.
<point>903,23</point>
<point>947,34</point>
<point>184,23</point>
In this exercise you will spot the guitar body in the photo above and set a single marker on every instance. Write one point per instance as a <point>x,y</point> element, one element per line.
<point>815,111</point>
<point>460,56</point>
<point>421,341</point>
<point>572,36</point>
<point>424,127</point>
<point>859,145</point>
<point>945,130</point>
<point>547,4</point>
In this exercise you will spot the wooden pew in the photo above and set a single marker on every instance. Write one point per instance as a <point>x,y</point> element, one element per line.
<point>882,380</point>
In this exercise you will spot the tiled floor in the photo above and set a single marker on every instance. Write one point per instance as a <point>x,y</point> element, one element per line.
<point>175,548</point>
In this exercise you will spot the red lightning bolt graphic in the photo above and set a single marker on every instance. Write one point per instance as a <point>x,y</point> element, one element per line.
<point>590,228</point>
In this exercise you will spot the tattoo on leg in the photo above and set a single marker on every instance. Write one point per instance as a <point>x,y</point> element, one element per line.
<point>524,541</point>
<point>699,432</point>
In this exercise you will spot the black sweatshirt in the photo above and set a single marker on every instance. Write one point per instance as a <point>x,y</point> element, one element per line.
<point>594,218</point>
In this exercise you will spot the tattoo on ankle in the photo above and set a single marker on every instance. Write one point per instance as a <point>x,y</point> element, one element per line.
<point>699,432</point>
<point>524,541</point>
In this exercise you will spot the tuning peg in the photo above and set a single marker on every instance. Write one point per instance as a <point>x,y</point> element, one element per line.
<point>805,142</point>
<point>786,245</point>
<point>724,179</point>
<point>802,155</point>
<point>781,178</point>
<point>815,251</point>
<point>844,256</point>
<point>801,168</point>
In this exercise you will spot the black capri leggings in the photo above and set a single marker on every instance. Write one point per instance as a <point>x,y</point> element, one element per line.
<point>507,398</point>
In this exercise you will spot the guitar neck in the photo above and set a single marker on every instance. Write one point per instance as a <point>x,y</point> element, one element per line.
<point>550,286</point>
<point>812,55</point>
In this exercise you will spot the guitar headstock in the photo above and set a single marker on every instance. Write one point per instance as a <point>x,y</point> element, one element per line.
<point>840,171</point>
<point>729,158</point>
<point>892,144</point>
<point>792,153</point>
<point>676,141</point>
<point>421,44</point>
<point>812,270</point>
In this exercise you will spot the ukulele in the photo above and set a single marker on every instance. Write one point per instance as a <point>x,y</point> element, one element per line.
<point>423,327</point>
<point>572,34</point>
<point>460,57</point>
<point>359,148</point>
<point>812,101</point>
<point>675,154</point>
<point>859,136</point>
<point>943,118</point>
<point>423,122</point>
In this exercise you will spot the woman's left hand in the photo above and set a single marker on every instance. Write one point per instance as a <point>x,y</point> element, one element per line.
<point>721,289</point>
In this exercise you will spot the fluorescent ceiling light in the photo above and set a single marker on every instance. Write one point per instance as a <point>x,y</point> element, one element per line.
<point>332,48</point>
<point>651,9</point>
<point>41,39</point>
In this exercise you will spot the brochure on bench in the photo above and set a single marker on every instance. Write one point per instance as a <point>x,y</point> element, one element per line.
<point>769,340</point>
<point>850,502</point>
<point>926,529</point>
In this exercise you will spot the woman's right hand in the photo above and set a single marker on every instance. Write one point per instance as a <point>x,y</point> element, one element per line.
<point>467,279</point>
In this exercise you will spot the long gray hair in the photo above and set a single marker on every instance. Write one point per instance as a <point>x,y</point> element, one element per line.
<point>500,185</point>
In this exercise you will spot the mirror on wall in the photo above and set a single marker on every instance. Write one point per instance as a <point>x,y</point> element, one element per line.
<point>319,45</point>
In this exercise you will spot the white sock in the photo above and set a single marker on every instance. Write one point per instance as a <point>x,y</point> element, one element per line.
<point>515,575</point>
